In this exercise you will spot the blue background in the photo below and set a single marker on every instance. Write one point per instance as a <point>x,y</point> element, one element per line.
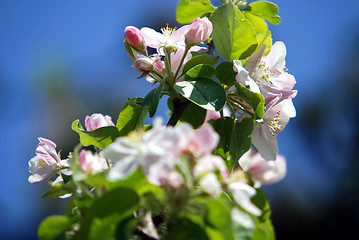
<point>63,60</point>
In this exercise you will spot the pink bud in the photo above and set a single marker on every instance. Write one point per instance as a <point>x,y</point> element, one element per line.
<point>198,31</point>
<point>133,37</point>
<point>142,63</point>
<point>90,163</point>
<point>97,120</point>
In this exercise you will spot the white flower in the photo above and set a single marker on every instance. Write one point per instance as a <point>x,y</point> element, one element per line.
<point>210,184</point>
<point>242,194</point>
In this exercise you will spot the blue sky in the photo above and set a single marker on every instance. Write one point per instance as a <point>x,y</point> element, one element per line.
<point>84,40</point>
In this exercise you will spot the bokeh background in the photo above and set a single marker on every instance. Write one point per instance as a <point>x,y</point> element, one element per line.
<point>63,60</point>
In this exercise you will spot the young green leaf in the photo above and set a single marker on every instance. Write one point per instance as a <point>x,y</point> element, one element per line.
<point>240,139</point>
<point>100,137</point>
<point>204,92</point>
<point>152,99</point>
<point>187,10</point>
<point>233,35</point>
<point>225,73</point>
<point>266,10</point>
<point>256,100</point>
<point>200,70</point>
<point>131,117</point>
<point>200,59</point>
<point>53,226</point>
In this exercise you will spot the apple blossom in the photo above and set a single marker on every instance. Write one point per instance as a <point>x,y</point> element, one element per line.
<point>91,163</point>
<point>46,162</point>
<point>143,63</point>
<point>170,37</point>
<point>97,120</point>
<point>134,38</point>
<point>242,194</point>
<point>262,171</point>
<point>265,131</point>
<point>198,31</point>
<point>210,184</point>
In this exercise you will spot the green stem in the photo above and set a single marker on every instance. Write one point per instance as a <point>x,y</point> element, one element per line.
<point>182,60</point>
<point>168,67</point>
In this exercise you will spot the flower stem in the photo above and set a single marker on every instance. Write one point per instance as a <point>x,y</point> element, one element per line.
<point>180,65</point>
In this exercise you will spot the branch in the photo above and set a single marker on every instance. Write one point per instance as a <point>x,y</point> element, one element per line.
<point>179,105</point>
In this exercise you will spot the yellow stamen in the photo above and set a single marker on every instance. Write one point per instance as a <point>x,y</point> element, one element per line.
<point>167,30</point>
<point>41,163</point>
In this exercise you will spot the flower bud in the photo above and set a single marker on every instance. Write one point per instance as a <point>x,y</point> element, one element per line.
<point>142,63</point>
<point>97,120</point>
<point>198,31</point>
<point>90,163</point>
<point>133,37</point>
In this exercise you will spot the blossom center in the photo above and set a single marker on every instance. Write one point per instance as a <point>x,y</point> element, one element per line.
<point>263,72</point>
<point>167,30</point>
<point>41,163</point>
<point>273,124</point>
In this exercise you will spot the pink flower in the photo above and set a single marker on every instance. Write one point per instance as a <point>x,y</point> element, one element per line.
<point>169,37</point>
<point>97,120</point>
<point>215,115</point>
<point>198,31</point>
<point>143,63</point>
<point>264,135</point>
<point>262,171</point>
<point>46,162</point>
<point>90,163</point>
<point>133,37</point>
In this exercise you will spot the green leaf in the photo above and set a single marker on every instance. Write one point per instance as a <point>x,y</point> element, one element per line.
<point>266,10</point>
<point>185,169</point>
<point>131,117</point>
<point>233,35</point>
<point>152,99</point>
<point>200,70</point>
<point>200,59</point>
<point>193,114</point>
<point>234,138</point>
<point>100,137</point>
<point>116,201</point>
<point>218,220</point>
<point>53,226</point>
<point>240,139</point>
<point>261,201</point>
<point>204,92</point>
<point>256,100</point>
<point>185,228</point>
<point>225,73</point>
<point>58,190</point>
<point>263,230</point>
<point>187,10</point>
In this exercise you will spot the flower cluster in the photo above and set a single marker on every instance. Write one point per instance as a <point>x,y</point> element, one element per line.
<point>200,175</point>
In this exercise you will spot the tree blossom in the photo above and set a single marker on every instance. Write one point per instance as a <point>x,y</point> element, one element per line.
<point>91,163</point>
<point>265,131</point>
<point>198,31</point>
<point>97,120</point>
<point>242,194</point>
<point>134,38</point>
<point>215,115</point>
<point>270,74</point>
<point>46,162</point>
<point>143,63</point>
<point>210,184</point>
<point>153,150</point>
<point>170,37</point>
<point>262,171</point>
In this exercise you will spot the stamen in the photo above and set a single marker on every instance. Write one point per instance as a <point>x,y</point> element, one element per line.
<point>167,30</point>
<point>273,124</point>
<point>41,163</point>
